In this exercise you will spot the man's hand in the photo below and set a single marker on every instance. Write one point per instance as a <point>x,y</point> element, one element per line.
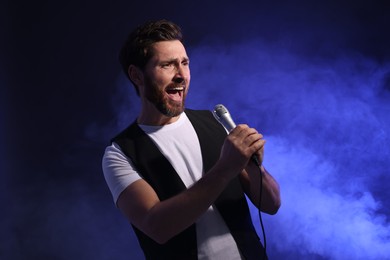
<point>240,145</point>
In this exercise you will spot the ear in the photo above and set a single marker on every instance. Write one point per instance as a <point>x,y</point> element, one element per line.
<point>136,75</point>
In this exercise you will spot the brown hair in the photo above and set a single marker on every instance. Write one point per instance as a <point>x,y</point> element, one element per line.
<point>136,50</point>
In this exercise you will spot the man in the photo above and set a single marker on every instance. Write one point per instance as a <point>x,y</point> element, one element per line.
<point>174,173</point>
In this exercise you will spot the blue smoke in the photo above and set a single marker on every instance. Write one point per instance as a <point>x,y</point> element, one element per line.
<point>327,129</point>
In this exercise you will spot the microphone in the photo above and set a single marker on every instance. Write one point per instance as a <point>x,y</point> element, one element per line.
<point>223,116</point>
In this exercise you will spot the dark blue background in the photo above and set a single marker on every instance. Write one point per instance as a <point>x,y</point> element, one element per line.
<point>312,76</point>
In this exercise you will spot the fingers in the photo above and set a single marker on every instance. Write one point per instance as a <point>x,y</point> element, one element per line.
<point>247,139</point>
<point>239,146</point>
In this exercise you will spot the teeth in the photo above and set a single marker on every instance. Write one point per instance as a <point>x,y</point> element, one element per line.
<point>177,88</point>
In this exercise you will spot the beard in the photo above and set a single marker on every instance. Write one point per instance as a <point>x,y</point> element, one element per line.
<point>165,105</point>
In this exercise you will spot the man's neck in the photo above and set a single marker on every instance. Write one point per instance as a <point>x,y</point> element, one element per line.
<point>155,118</point>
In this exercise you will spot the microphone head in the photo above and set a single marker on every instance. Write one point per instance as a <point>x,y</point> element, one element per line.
<point>223,116</point>
<point>220,110</point>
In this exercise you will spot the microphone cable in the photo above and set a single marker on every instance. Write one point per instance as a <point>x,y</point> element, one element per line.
<point>260,215</point>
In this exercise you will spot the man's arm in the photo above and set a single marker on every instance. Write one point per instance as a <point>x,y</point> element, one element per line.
<point>161,220</point>
<point>270,197</point>
<point>250,181</point>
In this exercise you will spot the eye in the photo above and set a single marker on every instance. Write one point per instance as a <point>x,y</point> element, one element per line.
<point>185,62</point>
<point>166,65</point>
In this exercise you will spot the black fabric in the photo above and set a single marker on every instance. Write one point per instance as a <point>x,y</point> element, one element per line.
<point>165,181</point>
<point>231,203</point>
<point>160,174</point>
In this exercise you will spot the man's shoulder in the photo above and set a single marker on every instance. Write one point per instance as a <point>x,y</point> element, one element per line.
<point>198,112</point>
<point>130,132</point>
<point>203,118</point>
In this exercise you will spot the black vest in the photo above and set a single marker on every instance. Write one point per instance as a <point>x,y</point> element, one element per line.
<point>231,204</point>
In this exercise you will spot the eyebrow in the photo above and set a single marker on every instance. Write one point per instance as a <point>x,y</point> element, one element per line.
<point>173,60</point>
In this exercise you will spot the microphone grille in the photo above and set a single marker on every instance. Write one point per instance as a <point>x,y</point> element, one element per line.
<point>220,110</point>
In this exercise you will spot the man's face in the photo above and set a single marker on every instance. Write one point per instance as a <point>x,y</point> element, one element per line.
<point>167,77</point>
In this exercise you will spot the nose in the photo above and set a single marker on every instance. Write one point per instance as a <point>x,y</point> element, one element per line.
<point>179,75</point>
<point>178,79</point>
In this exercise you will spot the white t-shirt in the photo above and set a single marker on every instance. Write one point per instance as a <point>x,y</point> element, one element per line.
<point>179,143</point>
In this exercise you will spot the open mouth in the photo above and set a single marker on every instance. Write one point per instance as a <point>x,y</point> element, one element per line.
<point>175,93</point>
